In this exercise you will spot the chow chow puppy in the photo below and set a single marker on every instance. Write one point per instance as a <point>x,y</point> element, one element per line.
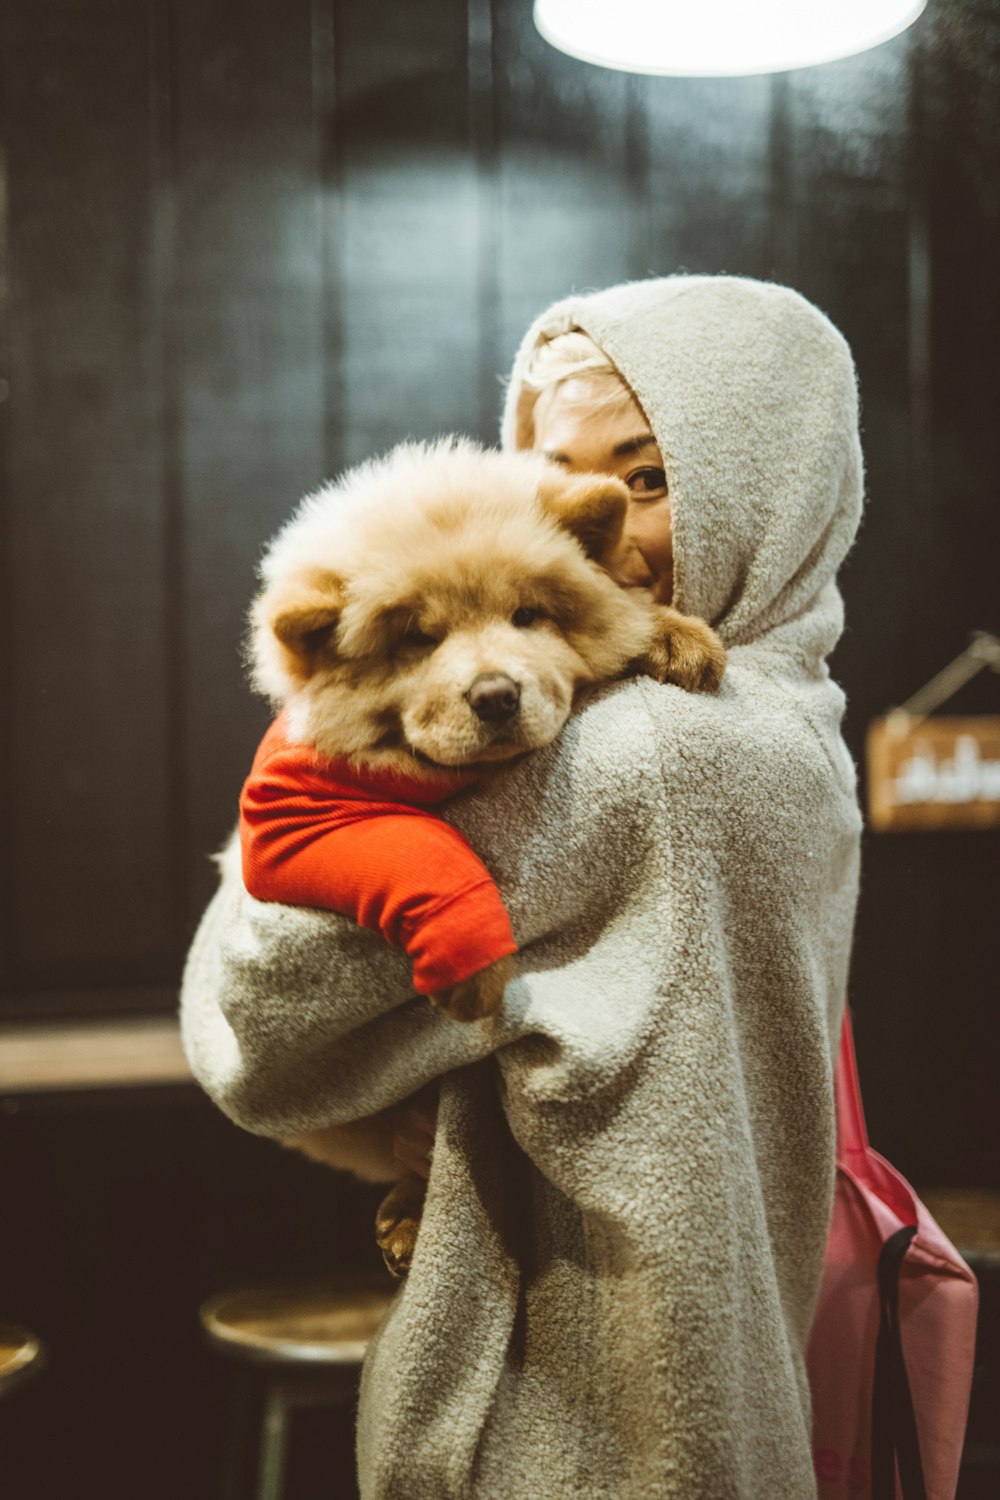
<point>441,610</point>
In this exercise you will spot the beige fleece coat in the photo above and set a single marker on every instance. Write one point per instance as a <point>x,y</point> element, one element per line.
<point>628,1205</point>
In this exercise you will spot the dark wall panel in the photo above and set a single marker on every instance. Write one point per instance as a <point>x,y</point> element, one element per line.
<point>86,806</point>
<point>958,162</point>
<point>247,297</point>
<point>564,193</point>
<point>251,243</point>
<point>847,170</point>
<point>857,225</point>
<point>925,973</point>
<point>708,176</point>
<point>407,246</point>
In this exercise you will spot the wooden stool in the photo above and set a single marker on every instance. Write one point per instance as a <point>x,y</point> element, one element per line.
<point>21,1356</point>
<point>300,1346</point>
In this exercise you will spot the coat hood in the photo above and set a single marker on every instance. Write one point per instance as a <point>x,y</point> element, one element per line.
<point>751,394</point>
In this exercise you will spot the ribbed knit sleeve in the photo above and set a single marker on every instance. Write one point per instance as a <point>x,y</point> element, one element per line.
<point>322,834</point>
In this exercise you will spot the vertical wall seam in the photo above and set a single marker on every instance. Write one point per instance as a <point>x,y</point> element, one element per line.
<point>329,190</point>
<point>783,250</point>
<point>637,162</point>
<point>482,127</point>
<point>8,958</point>
<point>919,293</point>
<point>165,310</point>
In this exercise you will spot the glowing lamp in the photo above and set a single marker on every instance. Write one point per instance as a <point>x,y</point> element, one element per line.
<point>719,38</point>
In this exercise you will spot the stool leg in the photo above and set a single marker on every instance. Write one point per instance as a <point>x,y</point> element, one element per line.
<point>273,1443</point>
<point>242,1428</point>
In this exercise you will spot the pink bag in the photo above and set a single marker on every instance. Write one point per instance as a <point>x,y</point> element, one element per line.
<point>891,1350</point>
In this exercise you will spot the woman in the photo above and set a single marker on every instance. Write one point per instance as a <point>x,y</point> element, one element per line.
<point>633,1167</point>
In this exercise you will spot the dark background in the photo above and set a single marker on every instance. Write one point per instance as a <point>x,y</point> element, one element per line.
<point>248,242</point>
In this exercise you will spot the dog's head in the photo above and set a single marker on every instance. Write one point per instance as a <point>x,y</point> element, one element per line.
<point>442,606</point>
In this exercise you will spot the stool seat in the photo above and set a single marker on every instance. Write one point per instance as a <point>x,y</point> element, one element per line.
<point>20,1355</point>
<point>311,1324</point>
<point>299,1344</point>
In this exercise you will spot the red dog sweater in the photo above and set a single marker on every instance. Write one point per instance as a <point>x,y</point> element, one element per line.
<point>367,844</point>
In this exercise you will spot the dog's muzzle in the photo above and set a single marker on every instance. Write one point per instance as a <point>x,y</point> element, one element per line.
<point>494,698</point>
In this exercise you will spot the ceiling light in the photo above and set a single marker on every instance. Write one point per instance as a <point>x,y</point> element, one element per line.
<point>714,38</point>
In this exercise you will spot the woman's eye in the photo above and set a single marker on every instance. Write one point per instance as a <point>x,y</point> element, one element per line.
<point>647,481</point>
<point>525,616</point>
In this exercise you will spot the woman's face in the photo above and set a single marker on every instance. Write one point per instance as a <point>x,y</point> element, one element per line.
<point>613,437</point>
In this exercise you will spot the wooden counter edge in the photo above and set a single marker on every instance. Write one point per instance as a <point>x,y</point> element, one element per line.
<point>53,1056</point>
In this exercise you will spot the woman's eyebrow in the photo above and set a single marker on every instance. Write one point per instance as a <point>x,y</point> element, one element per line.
<point>620,450</point>
<point>634,445</point>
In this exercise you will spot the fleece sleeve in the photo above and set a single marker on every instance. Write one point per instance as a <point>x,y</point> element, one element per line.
<point>311,837</point>
<point>297,1018</point>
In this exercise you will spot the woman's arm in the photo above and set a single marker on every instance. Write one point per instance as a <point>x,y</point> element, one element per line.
<point>295,1019</point>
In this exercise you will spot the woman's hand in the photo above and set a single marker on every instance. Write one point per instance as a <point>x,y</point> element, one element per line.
<point>413,1141</point>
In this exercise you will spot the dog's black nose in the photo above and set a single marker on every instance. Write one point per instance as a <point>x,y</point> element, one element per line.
<point>494,698</point>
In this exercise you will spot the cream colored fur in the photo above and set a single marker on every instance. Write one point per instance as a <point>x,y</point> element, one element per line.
<point>392,591</point>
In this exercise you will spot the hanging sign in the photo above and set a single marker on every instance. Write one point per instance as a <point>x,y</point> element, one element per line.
<point>935,772</point>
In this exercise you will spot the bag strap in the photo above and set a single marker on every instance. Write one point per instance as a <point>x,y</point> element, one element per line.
<point>851,1132</point>
<point>894,1423</point>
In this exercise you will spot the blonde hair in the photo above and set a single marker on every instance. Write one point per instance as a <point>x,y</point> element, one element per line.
<point>568,356</point>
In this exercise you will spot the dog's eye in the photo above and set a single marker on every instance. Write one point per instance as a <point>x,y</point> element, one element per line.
<point>418,638</point>
<point>525,616</point>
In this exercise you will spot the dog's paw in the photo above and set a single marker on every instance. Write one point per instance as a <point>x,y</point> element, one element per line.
<point>686,652</point>
<point>397,1246</point>
<point>397,1223</point>
<point>477,997</point>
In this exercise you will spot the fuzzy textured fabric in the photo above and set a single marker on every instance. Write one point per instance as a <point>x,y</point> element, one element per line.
<point>628,1205</point>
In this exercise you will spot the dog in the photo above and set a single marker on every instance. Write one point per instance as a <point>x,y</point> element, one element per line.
<point>440,612</point>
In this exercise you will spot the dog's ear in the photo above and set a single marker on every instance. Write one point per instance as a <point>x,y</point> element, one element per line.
<point>304,626</point>
<point>300,622</point>
<point>590,506</point>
